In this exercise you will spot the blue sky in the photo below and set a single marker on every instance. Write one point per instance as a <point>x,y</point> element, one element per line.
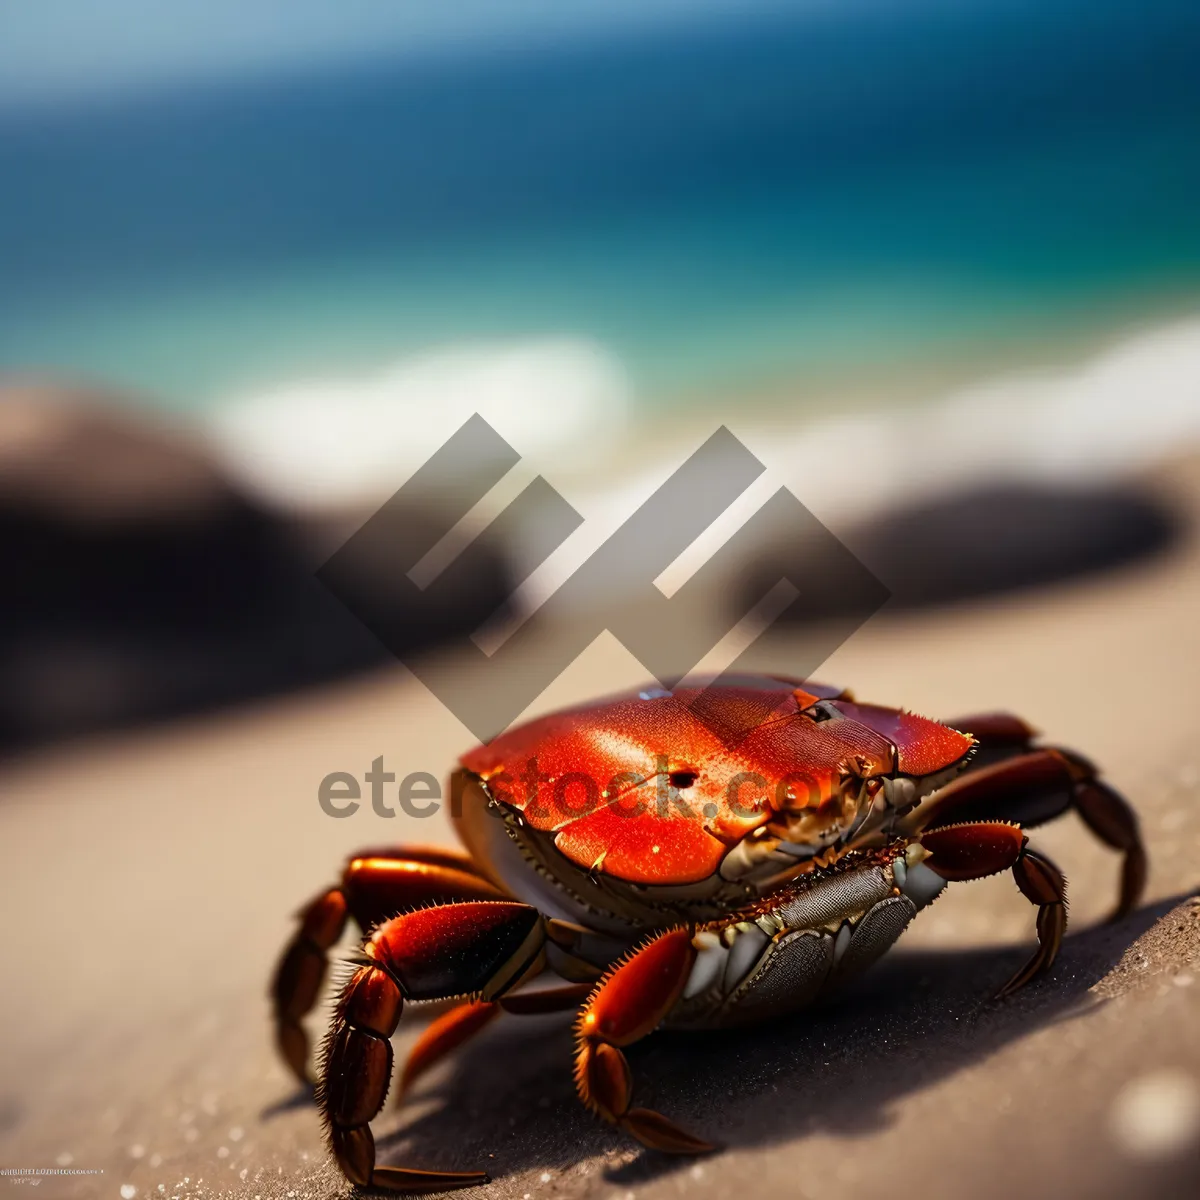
<point>73,50</point>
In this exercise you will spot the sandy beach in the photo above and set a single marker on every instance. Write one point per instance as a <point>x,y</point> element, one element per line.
<point>149,881</point>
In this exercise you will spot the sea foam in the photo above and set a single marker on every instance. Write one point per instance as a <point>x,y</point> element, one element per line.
<point>564,405</point>
<point>327,444</point>
<point>1129,405</point>
<point>1115,414</point>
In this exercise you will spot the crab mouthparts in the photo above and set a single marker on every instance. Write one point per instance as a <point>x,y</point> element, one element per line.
<point>903,791</point>
<point>807,833</point>
<point>862,805</point>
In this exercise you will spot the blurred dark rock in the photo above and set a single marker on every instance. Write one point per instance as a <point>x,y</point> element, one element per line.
<point>994,539</point>
<point>140,584</point>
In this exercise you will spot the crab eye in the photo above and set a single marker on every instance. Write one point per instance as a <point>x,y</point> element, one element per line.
<point>682,779</point>
<point>822,711</point>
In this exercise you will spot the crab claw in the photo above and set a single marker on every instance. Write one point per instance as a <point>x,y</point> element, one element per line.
<point>923,747</point>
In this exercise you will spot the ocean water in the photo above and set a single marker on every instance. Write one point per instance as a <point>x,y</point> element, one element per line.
<point>802,193</point>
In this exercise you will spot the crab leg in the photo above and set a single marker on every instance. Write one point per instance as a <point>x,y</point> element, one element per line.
<point>374,886</point>
<point>452,1029</point>
<point>442,1036</point>
<point>629,1003</point>
<point>998,735</point>
<point>480,949</point>
<point>1034,787</point>
<point>301,972</point>
<point>982,848</point>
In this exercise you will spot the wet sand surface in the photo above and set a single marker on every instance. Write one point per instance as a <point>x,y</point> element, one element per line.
<point>148,882</point>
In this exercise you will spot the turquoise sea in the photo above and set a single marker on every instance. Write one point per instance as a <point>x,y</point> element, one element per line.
<point>807,192</point>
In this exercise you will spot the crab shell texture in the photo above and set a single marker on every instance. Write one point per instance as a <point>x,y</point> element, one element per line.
<point>778,777</point>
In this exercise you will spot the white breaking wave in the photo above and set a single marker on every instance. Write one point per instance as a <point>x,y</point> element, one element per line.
<point>1117,413</point>
<point>328,444</point>
<point>564,406</point>
<point>1130,405</point>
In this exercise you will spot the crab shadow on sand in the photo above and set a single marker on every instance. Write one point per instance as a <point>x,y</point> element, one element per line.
<point>508,1103</point>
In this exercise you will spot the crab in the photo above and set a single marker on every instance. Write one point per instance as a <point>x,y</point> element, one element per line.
<point>663,870</point>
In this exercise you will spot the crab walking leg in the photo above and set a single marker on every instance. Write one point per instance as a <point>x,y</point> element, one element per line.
<point>998,735</point>
<point>441,1037</point>
<point>626,1005</point>
<point>374,886</point>
<point>449,1031</point>
<point>1035,787</point>
<point>984,848</point>
<point>479,949</point>
<point>301,972</point>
